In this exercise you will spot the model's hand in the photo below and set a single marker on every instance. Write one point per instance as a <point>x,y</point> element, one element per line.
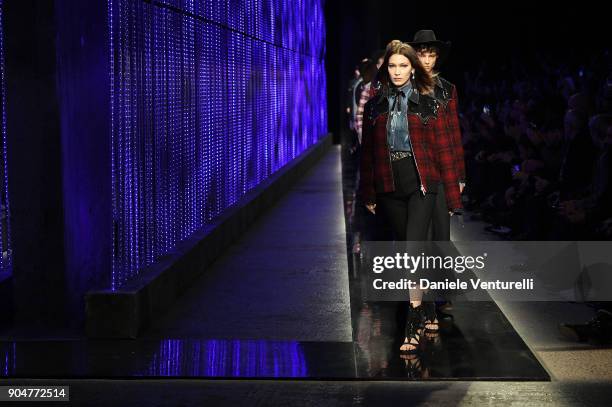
<point>450,213</point>
<point>461,187</point>
<point>371,208</point>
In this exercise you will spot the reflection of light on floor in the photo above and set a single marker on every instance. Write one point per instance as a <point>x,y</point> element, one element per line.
<point>228,358</point>
<point>8,361</point>
<point>6,364</point>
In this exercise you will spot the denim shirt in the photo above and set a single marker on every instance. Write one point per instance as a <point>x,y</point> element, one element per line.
<point>398,134</point>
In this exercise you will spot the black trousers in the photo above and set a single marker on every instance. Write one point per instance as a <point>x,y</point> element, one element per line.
<point>406,210</point>
<point>440,219</point>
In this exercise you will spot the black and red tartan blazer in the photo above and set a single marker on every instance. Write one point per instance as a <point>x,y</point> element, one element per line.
<point>432,146</point>
<point>446,93</point>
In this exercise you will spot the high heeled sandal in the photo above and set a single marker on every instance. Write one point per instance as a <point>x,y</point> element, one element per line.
<point>413,330</point>
<point>431,322</point>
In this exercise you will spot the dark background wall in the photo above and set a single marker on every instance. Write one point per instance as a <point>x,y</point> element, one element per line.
<point>58,117</point>
<point>496,32</point>
<point>34,164</point>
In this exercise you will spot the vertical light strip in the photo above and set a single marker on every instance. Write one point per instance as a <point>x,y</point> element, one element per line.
<point>114,192</point>
<point>5,235</point>
<point>208,99</point>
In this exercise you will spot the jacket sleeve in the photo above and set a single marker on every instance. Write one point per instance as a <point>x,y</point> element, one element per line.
<point>366,167</point>
<point>455,133</point>
<point>446,164</point>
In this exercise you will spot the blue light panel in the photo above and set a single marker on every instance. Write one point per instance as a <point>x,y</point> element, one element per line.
<point>208,99</point>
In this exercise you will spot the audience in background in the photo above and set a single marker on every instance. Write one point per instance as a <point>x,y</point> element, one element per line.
<point>537,148</point>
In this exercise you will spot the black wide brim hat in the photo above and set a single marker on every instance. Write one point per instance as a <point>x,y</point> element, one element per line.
<point>428,37</point>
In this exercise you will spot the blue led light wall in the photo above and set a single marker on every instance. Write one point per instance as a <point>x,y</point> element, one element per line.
<point>5,247</point>
<point>208,99</point>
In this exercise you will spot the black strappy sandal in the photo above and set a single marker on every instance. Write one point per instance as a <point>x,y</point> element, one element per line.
<point>413,330</point>
<point>430,317</point>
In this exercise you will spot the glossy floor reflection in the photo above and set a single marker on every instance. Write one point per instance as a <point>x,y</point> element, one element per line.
<point>479,345</point>
<point>281,336</point>
<point>452,356</point>
<point>179,358</point>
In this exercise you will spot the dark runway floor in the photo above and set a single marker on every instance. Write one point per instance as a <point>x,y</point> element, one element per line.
<point>282,304</point>
<point>480,345</point>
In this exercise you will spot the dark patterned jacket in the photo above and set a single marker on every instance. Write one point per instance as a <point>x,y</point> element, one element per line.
<point>446,93</point>
<point>432,148</point>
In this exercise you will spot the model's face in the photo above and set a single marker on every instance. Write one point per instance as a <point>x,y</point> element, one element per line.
<point>400,69</point>
<point>428,59</point>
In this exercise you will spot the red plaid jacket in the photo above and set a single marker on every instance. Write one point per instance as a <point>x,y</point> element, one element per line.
<point>446,93</point>
<point>432,148</point>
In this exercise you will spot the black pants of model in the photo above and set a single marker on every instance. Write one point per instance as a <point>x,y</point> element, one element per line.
<point>440,219</point>
<point>407,211</point>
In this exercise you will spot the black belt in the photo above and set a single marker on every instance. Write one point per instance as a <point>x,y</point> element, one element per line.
<point>399,155</point>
